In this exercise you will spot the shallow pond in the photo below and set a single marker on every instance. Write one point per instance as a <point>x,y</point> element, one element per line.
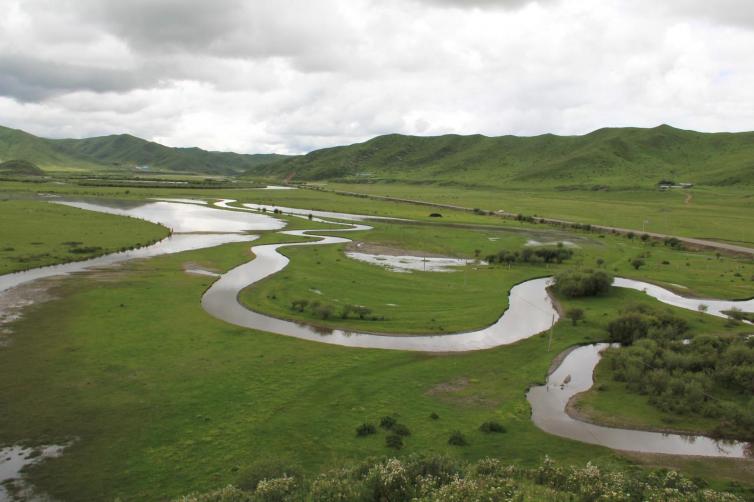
<point>404,263</point>
<point>574,375</point>
<point>13,459</point>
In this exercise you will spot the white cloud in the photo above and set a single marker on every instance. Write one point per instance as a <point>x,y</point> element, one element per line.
<point>295,75</point>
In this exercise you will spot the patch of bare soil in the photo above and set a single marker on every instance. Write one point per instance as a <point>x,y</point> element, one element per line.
<point>14,301</point>
<point>450,393</point>
<point>370,248</point>
<point>456,385</point>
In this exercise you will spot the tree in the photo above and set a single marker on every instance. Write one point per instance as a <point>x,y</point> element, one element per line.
<point>627,329</point>
<point>702,308</point>
<point>637,263</point>
<point>600,262</point>
<point>347,309</point>
<point>362,311</point>
<point>575,315</point>
<point>299,305</point>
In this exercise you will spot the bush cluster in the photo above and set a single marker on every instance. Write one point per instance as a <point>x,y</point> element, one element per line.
<point>581,283</point>
<point>686,376</point>
<point>326,311</point>
<point>442,479</point>
<point>557,254</point>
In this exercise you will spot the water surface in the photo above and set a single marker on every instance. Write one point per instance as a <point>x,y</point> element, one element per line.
<point>574,375</point>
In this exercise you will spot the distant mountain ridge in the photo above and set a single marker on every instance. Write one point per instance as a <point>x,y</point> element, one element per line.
<point>123,152</point>
<point>609,157</point>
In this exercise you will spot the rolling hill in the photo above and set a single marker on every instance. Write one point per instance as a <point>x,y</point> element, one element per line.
<point>122,152</point>
<point>606,157</point>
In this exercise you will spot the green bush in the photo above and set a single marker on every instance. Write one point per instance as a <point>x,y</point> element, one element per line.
<point>492,426</point>
<point>577,284</point>
<point>457,439</point>
<point>250,477</point>
<point>394,441</point>
<point>365,430</point>
<point>387,422</point>
<point>401,430</point>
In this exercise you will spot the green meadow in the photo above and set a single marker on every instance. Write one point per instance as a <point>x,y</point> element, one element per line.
<point>158,399</point>
<point>39,233</point>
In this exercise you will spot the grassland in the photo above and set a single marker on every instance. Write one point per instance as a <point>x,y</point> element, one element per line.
<point>164,399</point>
<point>38,233</point>
<point>429,302</point>
<point>718,213</point>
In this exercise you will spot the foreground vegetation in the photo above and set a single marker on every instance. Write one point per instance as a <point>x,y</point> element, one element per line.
<point>444,479</point>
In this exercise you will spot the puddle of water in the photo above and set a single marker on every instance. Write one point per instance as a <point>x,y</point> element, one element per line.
<point>199,271</point>
<point>278,187</point>
<point>182,217</point>
<point>409,263</point>
<point>533,242</point>
<point>14,459</point>
<point>574,375</point>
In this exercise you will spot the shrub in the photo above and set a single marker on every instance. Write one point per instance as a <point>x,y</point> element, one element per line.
<point>401,430</point>
<point>389,481</point>
<point>276,489</point>
<point>627,328</point>
<point>492,426</point>
<point>576,284</point>
<point>394,441</point>
<point>637,263</point>
<point>457,439</point>
<point>365,430</point>
<point>575,315</point>
<point>299,305</point>
<point>324,311</point>
<point>336,486</point>
<point>265,469</point>
<point>387,422</point>
<point>434,416</point>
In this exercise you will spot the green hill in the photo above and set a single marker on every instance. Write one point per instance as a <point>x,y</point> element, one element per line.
<point>122,152</point>
<point>20,168</point>
<point>614,157</point>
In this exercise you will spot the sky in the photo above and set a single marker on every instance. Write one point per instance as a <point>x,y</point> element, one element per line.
<point>291,76</point>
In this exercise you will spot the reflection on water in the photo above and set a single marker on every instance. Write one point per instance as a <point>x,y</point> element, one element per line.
<point>574,375</point>
<point>530,310</point>
<point>320,214</point>
<point>176,243</point>
<point>187,217</point>
<point>13,459</point>
<point>409,263</point>
<point>714,307</point>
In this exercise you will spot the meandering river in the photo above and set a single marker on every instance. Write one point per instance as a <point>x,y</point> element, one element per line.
<point>530,311</point>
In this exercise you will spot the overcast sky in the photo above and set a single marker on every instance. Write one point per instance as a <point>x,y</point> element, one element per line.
<point>291,76</point>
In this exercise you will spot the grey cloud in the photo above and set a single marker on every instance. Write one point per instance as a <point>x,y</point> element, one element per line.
<point>503,4</point>
<point>28,79</point>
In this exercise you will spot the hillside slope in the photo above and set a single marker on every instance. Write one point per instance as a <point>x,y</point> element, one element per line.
<point>122,152</point>
<point>615,157</point>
